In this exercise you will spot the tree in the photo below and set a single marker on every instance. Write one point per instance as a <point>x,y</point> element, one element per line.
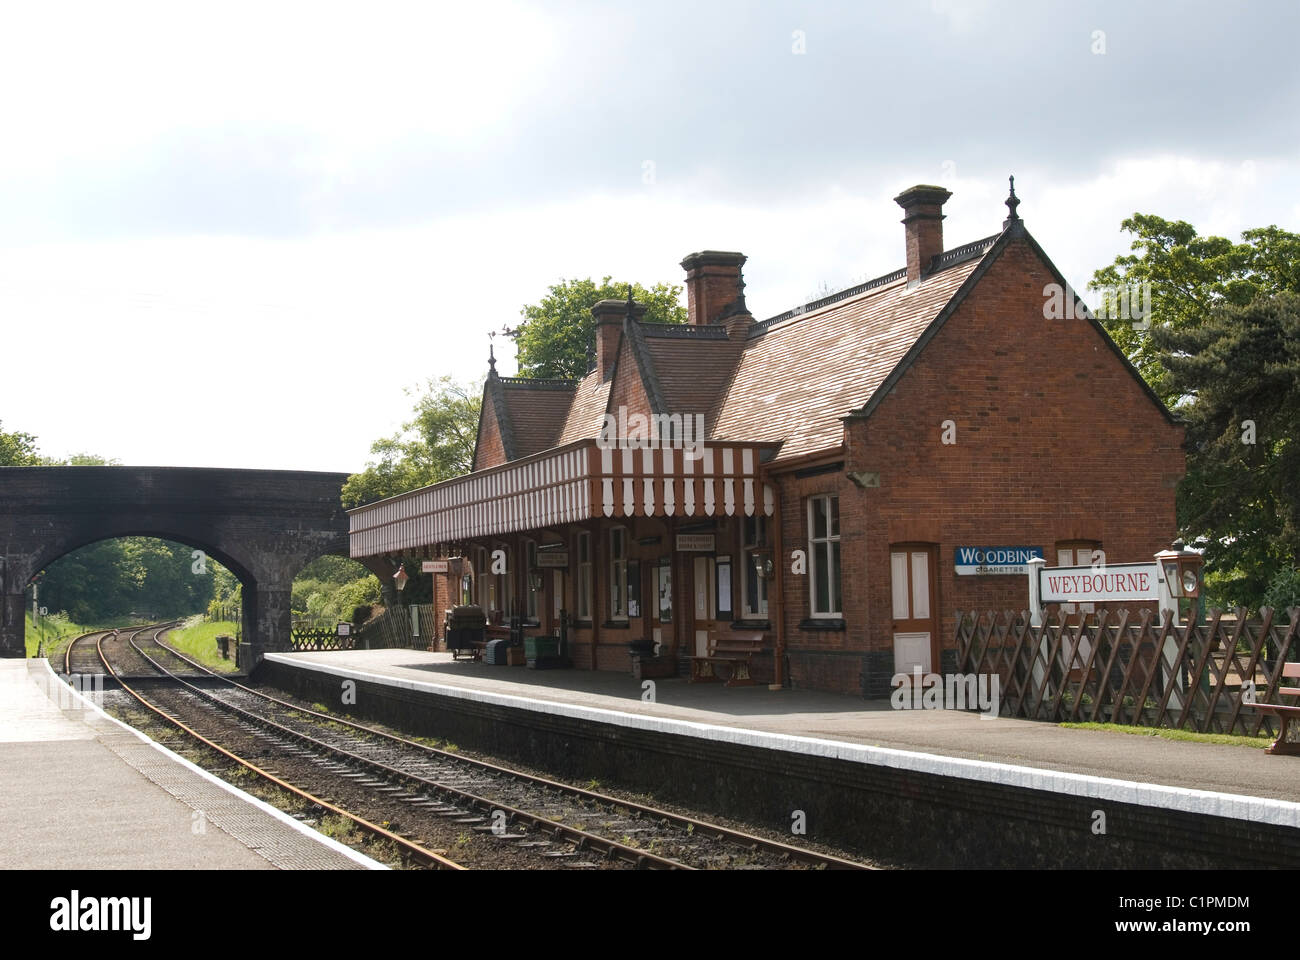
<point>1237,373</point>
<point>553,338</point>
<point>436,444</point>
<point>18,450</point>
<point>1189,276</point>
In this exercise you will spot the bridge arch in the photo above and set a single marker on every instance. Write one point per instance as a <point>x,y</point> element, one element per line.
<point>263,525</point>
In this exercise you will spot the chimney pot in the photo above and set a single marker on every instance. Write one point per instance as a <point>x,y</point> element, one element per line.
<point>923,227</point>
<point>609,316</point>
<point>713,283</point>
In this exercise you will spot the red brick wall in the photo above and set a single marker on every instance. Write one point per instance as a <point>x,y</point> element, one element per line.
<point>491,451</point>
<point>1055,440</point>
<point>628,389</point>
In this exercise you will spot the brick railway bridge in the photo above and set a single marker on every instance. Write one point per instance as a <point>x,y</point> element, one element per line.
<point>263,525</point>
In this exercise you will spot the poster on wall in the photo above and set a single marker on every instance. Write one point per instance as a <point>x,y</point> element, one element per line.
<point>633,589</point>
<point>994,561</point>
<point>665,588</point>
<point>724,586</point>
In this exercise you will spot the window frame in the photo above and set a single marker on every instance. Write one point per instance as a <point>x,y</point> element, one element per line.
<point>583,585</point>
<point>831,545</point>
<point>748,548</point>
<point>617,566</point>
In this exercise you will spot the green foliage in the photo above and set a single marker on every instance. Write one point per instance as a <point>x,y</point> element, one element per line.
<point>436,444</point>
<point>1238,374</point>
<point>18,449</point>
<point>1283,593</point>
<point>111,579</point>
<point>199,641</point>
<point>553,339</point>
<point>328,603</point>
<point>1223,348</point>
<point>227,595</point>
<point>1189,276</point>
<point>81,460</point>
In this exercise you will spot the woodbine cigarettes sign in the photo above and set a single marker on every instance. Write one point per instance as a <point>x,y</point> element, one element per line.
<point>994,561</point>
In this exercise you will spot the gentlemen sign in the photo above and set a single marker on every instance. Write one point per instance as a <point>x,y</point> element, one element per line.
<point>553,559</point>
<point>434,566</point>
<point>698,542</point>
<point>991,561</point>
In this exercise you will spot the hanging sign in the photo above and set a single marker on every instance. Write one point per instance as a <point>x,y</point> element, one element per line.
<point>553,559</point>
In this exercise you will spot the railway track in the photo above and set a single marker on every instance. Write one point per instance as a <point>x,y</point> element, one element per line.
<point>564,824</point>
<point>411,853</point>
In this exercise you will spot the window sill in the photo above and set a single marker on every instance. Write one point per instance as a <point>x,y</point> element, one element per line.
<point>751,624</point>
<point>616,625</point>
<point>819,623</point>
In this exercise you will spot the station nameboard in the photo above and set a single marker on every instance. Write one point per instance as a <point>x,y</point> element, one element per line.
<point>1116,581</point>
<point>994,561</point>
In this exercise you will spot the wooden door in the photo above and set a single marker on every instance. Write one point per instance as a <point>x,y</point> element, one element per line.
<point>702,604</point>
<point>912,583</point>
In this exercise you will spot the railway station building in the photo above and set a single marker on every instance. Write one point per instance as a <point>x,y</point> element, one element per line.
<point>833,483</point>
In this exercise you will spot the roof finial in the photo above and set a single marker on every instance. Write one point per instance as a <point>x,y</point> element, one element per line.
<point>492,360</point>
<point>630,301</point>
<point>1012,202</point>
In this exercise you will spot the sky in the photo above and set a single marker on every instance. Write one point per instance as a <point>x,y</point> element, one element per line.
<point>238,234</point>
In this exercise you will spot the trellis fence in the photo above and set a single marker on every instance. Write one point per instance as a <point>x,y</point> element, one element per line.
<point>1110,668</point>
<point>319,638</point>
<point>410,627</point>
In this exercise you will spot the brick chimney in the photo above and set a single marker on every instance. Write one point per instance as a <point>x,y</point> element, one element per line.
<point>923,223</point>
<point>609,316</point>
<point>712,284</point>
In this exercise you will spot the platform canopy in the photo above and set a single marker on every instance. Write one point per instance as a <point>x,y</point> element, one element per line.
<point>569,484</point>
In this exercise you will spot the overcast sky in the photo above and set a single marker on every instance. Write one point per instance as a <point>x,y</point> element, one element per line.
<point>232,234</point>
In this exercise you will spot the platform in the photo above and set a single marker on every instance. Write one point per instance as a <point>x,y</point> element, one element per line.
<point>83,791</point>
<point>1070,773</point>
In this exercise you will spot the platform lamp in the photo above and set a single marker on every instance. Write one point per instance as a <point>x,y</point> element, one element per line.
<point>1181,567</point>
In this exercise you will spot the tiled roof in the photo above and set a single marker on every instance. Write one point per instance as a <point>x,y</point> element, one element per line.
<point>692,372</point>
<point>804,371</point>
<point>790,381</point>
<point>537,410</point>
<point>585,414</point>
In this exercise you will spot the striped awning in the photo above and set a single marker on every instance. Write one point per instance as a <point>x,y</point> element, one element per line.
<point>581,481</point>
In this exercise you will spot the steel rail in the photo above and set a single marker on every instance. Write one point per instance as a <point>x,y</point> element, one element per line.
<point>581,839</point>
<point>701,827</point>
<point>409,849</point>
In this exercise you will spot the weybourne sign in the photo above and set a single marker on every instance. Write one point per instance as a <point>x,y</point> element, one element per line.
<point>1116,581</point>
<point>993,561</point>
<point>1121,581</point>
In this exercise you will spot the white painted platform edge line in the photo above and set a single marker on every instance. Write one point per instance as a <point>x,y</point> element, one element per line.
<point>1232,806</point>
<point>330,842</point>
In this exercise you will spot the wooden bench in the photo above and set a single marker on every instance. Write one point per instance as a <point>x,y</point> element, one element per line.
<point>728,660</point>
<point>1283,712</point>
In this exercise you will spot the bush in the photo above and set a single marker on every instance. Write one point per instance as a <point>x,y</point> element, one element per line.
<point>1283,592</point>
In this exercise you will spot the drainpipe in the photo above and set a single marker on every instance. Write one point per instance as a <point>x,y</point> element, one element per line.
<point>778,576</point>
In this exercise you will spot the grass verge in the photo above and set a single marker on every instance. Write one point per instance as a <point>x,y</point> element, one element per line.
<point>1230,739</point>
<point>198,639</point>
